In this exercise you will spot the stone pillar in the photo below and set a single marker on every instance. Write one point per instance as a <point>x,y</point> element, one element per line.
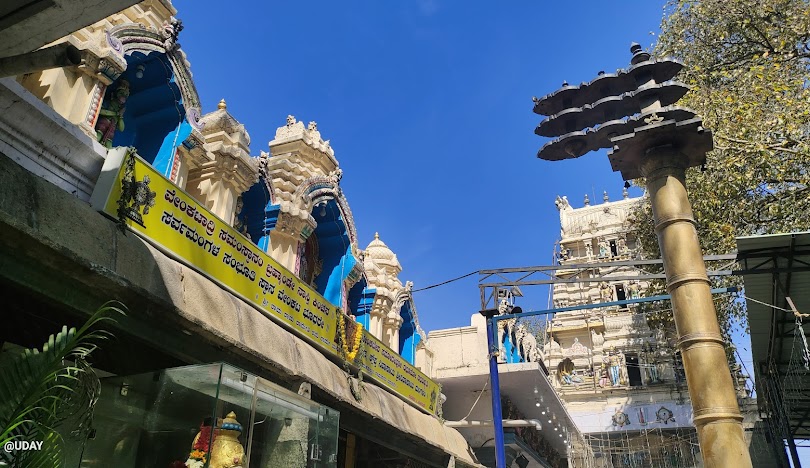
<point>424,359</point>
<point>76,93</point>
<point>378,314</point>
<point>228,170</point>
<point>283,233</point>
<point>716,413</point>
<point>393,322</point>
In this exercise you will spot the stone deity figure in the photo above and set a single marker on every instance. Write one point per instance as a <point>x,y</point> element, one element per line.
<point>603,249</point>
<point>621,245</point>
<point>652,369</point>
<point>569,377</point>
<point>170,33</point>
<point>111,115</point>
<point>613,360</point>
<point>561,203</point>
<point>566,376</point>
<point>650,372</point>
<point>588,249</point>
<point>237,223</point>
<point>603,377</point>
<point>660,336</point>
<point>596,338</point>
<point>605,292</point>
<point>527,344</point>
<point>633,289</point>
<point>623,378</point>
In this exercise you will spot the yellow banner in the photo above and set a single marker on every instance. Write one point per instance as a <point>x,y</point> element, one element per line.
<point>390,369</point>
<point>131,190</point>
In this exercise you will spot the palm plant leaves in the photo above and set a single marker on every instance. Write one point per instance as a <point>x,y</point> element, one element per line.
<point>40,390</point>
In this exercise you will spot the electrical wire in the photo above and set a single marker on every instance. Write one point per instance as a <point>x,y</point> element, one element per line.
<point>445,282</point>
<point>486,382</point>
<point>776,307</point>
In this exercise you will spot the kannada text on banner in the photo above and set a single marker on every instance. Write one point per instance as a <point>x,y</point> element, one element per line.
<point>391,370</point>
<point>169,218</point>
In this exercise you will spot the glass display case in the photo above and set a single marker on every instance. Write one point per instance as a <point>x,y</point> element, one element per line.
<point>212,415</point>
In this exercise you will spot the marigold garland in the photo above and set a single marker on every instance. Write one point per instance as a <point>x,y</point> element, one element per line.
<point>343,338</point>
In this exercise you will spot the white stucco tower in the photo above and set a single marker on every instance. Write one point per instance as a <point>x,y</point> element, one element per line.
<point>615,368</point>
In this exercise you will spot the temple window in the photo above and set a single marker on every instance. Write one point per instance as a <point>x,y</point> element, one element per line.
<point>620,293</point>
<point>334,251</point>
<point>144,108</point>
<point>633,369</point>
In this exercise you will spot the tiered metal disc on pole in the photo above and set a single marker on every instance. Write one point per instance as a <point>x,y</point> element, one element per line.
<point>632,113</point>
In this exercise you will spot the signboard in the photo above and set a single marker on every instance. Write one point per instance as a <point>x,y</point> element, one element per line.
<point>132,191</point>
<point>391,370</point>
<point>664,414</point>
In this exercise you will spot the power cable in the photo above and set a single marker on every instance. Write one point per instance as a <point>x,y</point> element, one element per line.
<point>486,382</point>
<point>445,282</point>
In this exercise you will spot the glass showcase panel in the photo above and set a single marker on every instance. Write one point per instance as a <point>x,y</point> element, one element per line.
<point>212,415</point>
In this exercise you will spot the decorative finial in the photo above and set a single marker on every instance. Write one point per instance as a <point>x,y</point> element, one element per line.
<point>222,104</point>
<point>312,126</point>
<point>587,200</point>
<point>565,83</point>
<point>376,236</point>
<point>230,423</point>
<point>290,120</point>
<point>605,197</point>
<point>638,54</point>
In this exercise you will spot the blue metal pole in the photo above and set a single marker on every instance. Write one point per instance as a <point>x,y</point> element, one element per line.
<point>497,413</point>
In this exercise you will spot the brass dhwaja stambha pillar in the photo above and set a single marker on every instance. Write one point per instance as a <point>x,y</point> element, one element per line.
<point>711,389</point>
<point>634,114</point>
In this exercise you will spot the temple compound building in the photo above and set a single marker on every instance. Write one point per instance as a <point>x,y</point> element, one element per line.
<point>537,429</point>
<point>617,368</point>
<point>114,184</point>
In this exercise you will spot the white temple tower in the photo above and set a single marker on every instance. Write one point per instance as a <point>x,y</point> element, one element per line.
<point>615,368</point>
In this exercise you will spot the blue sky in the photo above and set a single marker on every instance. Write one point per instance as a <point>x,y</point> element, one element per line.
<point>428,107</point>
<point>427,104</point>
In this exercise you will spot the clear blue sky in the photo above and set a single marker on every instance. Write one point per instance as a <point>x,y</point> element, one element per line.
<point>428,107</point>
<point>427,104</point>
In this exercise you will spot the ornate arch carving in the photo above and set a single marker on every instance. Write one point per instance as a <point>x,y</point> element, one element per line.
<point>264,177</point>
<point>134,37</point>
<point>320,188</point>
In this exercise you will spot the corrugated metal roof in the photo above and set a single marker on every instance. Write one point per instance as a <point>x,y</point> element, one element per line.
<point>773,267</point>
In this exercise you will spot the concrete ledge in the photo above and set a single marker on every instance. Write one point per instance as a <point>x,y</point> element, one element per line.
<point>45,143</point>
<point>66,235</point>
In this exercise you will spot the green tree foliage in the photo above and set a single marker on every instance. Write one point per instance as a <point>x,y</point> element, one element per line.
<point>746,62</point>
<point>47,395</point>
